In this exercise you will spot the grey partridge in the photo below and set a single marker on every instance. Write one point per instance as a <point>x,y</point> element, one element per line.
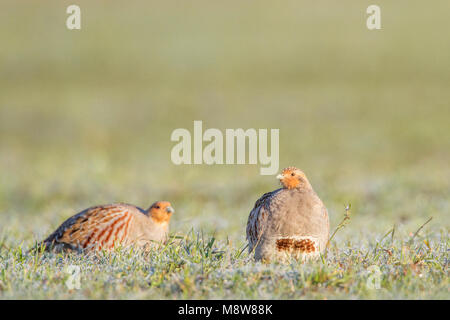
<point>104,227</point>
<point>290,222</point>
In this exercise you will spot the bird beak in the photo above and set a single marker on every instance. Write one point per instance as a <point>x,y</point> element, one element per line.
<point>280,176</point>
<point>169,209</point>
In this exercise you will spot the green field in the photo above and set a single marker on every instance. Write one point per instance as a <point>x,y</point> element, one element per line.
<point>86,118</point>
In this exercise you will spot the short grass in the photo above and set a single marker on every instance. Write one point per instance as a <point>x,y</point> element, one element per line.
<point>86,118</point>
<point>197,266</point>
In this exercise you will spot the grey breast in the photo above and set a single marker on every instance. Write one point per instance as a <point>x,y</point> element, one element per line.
<point>297,212</point>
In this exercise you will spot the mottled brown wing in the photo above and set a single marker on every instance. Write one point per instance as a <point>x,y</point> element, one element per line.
<point>257,219</point>
<point>96,227</point>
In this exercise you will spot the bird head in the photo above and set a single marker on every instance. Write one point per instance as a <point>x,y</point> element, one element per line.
<point>292,177</point>
<point>161,212</point>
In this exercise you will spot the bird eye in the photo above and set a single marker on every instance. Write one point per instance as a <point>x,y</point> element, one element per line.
<point>157,207</point>
<point>292,174</point>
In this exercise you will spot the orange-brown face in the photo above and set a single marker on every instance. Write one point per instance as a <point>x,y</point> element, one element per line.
<point>292,177</point>
<point>161,211</point>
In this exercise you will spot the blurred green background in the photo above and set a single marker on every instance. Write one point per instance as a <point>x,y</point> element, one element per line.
<point>86,116</point>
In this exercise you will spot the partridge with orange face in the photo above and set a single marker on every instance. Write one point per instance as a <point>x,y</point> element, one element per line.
<point>289,222</point>
<point>104,227</point>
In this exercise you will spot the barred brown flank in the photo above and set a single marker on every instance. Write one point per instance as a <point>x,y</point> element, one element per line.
<point>112,229</point>
<point>125,229</point>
